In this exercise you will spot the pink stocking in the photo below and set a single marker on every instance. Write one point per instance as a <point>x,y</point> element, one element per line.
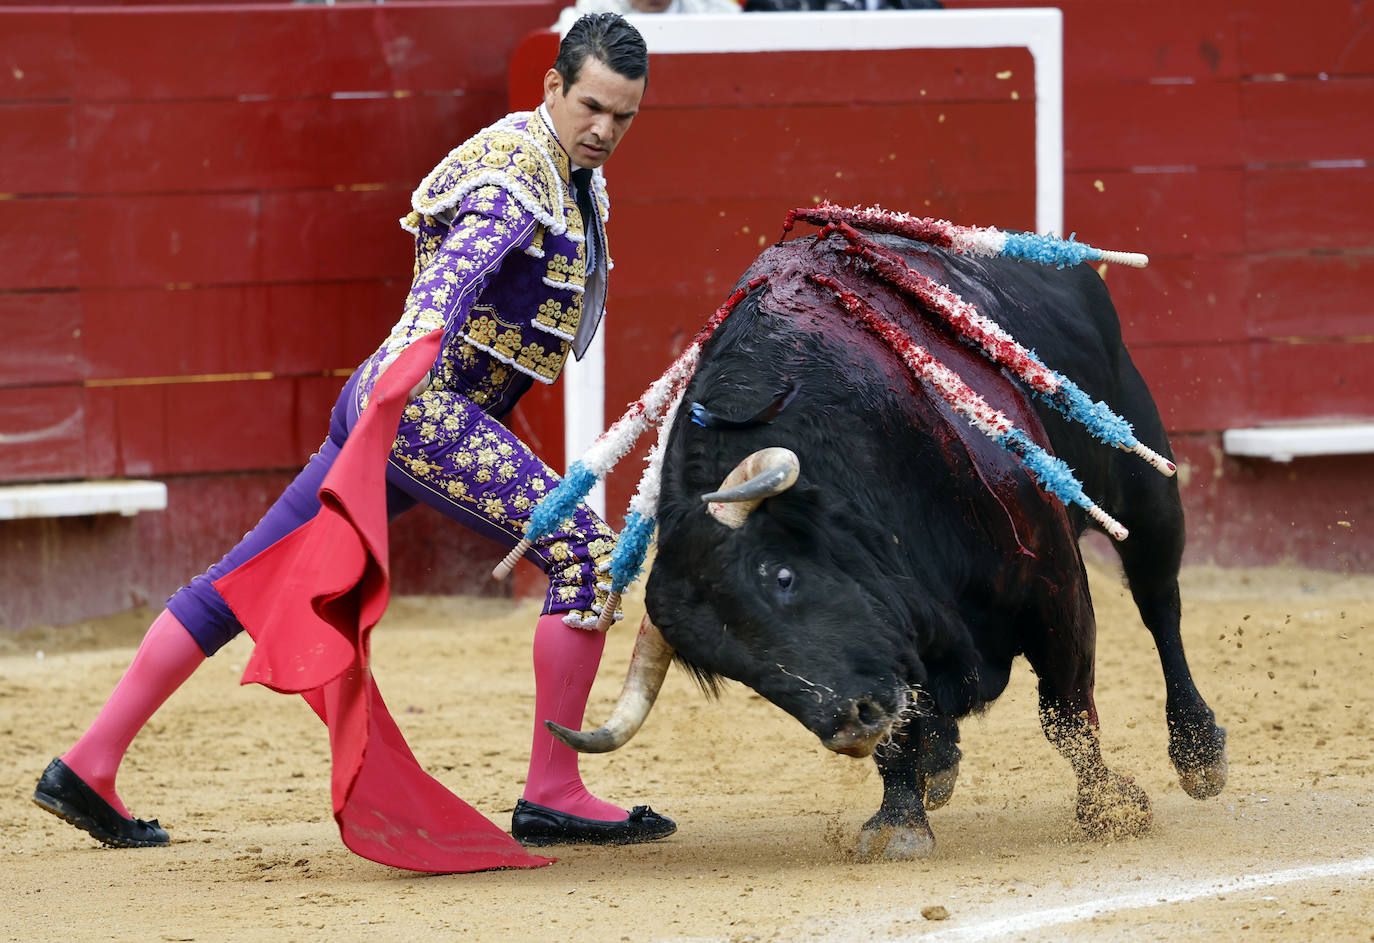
<point>164,661</point>
<point>565,663</point>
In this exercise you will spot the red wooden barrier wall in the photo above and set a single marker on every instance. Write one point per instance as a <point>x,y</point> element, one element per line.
<point>200,230</point>
<point>181,184</point>
<point>1234,144</point>
<point>198,241</point>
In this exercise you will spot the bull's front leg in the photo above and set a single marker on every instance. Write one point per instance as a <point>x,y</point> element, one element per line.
<point>919,766</point>
<point>1110,805</point>
<point>937,759</point>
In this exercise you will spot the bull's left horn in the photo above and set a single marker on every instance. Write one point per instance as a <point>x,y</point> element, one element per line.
<point>648,667</point>
<point>763,474</point>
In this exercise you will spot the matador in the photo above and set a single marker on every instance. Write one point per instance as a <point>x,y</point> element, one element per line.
<point>510,275</point>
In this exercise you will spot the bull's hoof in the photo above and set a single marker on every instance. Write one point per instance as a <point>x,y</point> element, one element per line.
<point>1204,782</point>
<point>940,786</point>
<point>1201,762</point>
<point>896,843</point>
<point>1114,807</point>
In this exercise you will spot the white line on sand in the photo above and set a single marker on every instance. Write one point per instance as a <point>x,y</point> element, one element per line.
<point>1073,913</point>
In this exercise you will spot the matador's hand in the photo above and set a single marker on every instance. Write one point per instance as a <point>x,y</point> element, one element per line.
<point>420,387</point>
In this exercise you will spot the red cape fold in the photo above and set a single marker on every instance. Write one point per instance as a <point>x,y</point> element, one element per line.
<point>310,601</point>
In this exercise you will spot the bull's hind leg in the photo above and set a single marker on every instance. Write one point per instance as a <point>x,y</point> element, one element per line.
<point>919,766</point>
<point>1109,805</point>
<point>1151,557</point>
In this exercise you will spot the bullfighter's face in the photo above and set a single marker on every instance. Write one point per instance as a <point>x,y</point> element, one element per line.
<point>591,115</point>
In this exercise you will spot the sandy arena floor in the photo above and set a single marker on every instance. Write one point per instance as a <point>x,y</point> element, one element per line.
<point>767,818</point>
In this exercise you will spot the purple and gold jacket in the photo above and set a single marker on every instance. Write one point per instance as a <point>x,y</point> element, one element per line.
<point>501,255</point>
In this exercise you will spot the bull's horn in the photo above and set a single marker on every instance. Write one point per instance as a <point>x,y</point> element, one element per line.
<point>648,666</point>
<point>763,474</point>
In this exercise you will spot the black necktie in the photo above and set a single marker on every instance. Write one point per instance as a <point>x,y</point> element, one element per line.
<point>582,193</point>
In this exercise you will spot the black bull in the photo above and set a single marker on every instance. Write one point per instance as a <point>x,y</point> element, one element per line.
<point>885,593</point>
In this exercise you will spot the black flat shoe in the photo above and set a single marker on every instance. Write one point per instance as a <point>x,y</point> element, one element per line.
<point>66,795</point>
<point>538,826</point>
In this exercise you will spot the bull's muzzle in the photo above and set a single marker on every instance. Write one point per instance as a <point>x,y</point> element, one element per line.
<point>763,474</point>
<point>861,724</point>
<point>855,736</point>
<point>648,666</point>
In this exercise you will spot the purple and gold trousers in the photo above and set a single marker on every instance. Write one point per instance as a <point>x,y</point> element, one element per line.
<point>457,459</point>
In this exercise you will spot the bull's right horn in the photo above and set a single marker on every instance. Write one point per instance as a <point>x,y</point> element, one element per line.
<point>648,667</point>
<point>762,474</point>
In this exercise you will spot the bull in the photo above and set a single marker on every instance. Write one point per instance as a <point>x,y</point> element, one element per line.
<point>834,536</point>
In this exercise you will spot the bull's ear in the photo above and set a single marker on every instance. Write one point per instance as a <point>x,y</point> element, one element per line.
<point>704,417</point>
<point>780,402</point>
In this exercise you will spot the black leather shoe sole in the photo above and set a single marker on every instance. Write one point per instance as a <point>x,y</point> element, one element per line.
<point>539,826</point>
<point>64,794</point>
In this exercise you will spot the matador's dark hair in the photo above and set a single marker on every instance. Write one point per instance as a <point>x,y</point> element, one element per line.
<point>609,38</point>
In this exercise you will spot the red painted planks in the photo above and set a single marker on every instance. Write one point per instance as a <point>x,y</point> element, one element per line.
<point>529,60</point>
<point>700,248</point>
<point>140,431</point>
<point>1311,296</point>
<point>1131,40</point>
<point>1181,301</point>
<point>334,325</point>
<point>315,397</point>
<point>184,428</point>
<point>219,145</point>
<point>1307,120</point>
<point>39,148</point>
<point>791,152</point>
<point>1235,385</point>
<point>719,240</point>
<point>162,240</point>
<point>840,77</point>
<point>1199,388</point>
<point>42,338</point>
<point>1116,127</point>
<point>163,147</point>
<point>39,243</point>
<point>1140,40</point>
<point>36,54</point>
<point>41,433</point>
<point>1287,210</point>
<point>1160,214</point>
<point>1254,512</point>
<point>101,441</point>
<point>325,234</point>
<point>298,51</point>
<point>1322,381</point>
<point>287,330</point>
<point>1333,36</point>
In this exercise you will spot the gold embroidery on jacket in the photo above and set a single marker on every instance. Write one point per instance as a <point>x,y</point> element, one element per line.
<point>554,318</point>
<point>487,332</point>
<point>569,272</point>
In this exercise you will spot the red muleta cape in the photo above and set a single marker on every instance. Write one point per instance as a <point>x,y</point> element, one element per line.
<point>310,601</point>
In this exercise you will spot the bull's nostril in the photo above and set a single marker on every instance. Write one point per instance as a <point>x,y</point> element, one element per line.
<point>869,713</point>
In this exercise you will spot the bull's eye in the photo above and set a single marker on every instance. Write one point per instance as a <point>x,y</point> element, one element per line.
<point>784,578</point>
